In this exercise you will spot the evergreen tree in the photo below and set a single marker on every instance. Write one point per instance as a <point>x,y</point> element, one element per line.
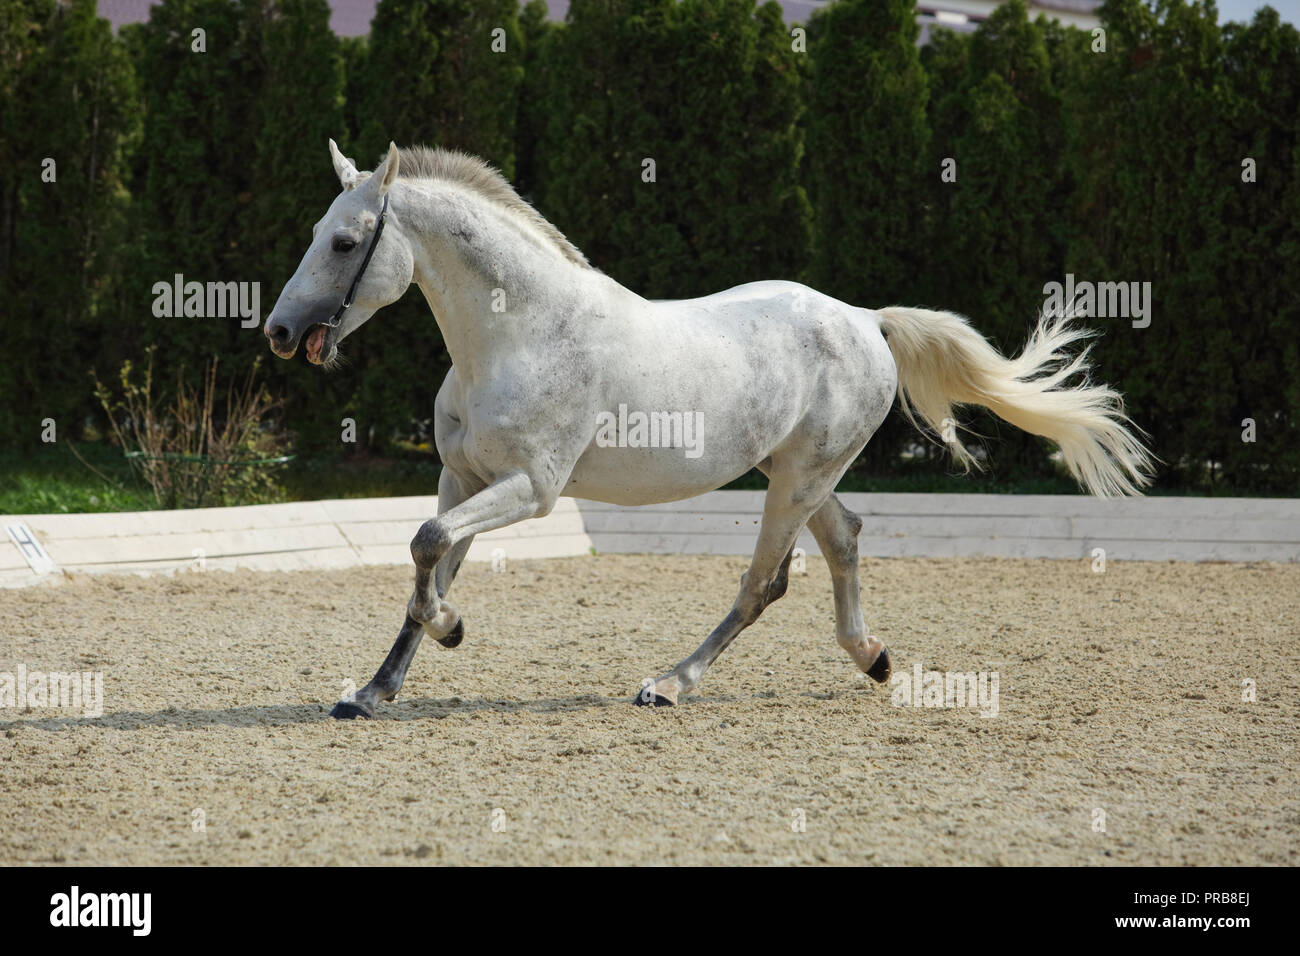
<point>867,166</point>
<point>867,169</point>
<point>672,144</point>
<point>1256,259</point>
<point>1175,111</point>
<point>997,229</point>
<point>536,30</point>
<point>299,111</point>
<point>67,107</point>
<point>195,174</point>
<point>443,73</point>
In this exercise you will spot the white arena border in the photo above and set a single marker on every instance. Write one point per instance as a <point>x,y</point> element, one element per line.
<point>377,531</point>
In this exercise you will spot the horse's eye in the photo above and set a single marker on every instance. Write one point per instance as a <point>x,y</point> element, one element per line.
<point>344,245</point>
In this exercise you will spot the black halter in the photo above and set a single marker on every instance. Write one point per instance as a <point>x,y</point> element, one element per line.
<point>334,321</point>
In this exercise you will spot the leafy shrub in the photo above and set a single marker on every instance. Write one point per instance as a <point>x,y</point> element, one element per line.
<point>189,456</point>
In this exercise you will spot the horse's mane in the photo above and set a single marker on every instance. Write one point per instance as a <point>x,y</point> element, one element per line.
<point>424,162</point>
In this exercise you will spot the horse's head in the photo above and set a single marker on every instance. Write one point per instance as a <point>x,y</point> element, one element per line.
<point>358,263</point>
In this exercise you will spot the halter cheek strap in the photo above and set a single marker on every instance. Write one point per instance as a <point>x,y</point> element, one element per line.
<point>337,318</point>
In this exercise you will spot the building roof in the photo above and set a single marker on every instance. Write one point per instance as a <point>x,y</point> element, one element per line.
<point>352,18</point>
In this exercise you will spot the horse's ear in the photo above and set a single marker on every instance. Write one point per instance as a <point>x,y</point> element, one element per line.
<point>343,167</point>
<point>387,170</point>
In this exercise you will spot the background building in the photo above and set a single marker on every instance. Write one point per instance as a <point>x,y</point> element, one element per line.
<point>352,17</point>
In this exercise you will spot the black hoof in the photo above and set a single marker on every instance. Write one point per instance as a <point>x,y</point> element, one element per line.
<point>344,710</point>
<point>881,669</point>
<point>651,700</point>
<point>455,637</point>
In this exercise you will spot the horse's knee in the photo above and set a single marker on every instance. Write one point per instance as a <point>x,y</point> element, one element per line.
<point>430,544</point>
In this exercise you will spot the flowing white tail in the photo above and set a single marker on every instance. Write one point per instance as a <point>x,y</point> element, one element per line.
<point>942,361</point>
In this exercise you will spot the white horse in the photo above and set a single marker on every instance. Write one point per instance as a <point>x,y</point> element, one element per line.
<point>547,352</point>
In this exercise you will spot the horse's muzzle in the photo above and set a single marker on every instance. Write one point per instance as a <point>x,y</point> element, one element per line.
<point>284,340</point>
<point>286,334</point>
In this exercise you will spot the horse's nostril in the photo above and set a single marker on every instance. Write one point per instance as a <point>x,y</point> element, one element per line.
<point>279,334</point>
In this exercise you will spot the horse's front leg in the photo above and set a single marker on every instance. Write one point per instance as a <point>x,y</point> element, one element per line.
<point>452,490</point>
<point>439,617</point>
<point>440,545</point>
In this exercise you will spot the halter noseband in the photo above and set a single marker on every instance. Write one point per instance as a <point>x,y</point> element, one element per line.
<point>334,321</point>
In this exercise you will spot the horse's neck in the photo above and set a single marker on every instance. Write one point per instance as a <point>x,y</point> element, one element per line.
<point>490,280</point>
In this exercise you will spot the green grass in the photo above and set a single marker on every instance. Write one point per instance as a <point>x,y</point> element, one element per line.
<point>310,479</point>
<point>51,479</point>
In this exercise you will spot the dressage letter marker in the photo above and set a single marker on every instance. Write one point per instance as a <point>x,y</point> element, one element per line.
<point>26,542</point>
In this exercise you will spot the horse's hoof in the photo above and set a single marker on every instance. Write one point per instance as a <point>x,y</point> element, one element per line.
<point>345,710</point>
<point>455,637</point>
<point>881,669</point>
<point>653,700</point>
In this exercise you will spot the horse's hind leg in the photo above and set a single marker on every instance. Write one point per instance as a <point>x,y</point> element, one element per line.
<point>836,529</point>
<point>785,512</point>
<point>389,678</point>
